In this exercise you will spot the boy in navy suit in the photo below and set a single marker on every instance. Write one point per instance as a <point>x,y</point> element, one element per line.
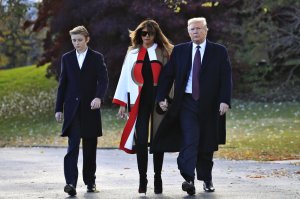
<point>82,85</point>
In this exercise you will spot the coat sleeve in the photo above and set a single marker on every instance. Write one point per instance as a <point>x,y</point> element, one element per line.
<point>120,96</point>
<point>61,90</point>
<point>102,78</point>
<point>166,78</point>
<point>226,79</point>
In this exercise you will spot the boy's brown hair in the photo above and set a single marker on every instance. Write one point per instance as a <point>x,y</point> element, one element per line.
<point>79,30</point>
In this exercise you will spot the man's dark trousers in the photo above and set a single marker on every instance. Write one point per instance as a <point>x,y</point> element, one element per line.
<point>190,157</point>
<point>89,148</point>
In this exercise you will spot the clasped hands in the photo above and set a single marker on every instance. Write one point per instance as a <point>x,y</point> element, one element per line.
<point>163,105</point>
<point>223,107</point>
<point>95,104</point>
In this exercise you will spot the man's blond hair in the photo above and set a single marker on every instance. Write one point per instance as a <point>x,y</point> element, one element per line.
<point>79,30</point>
<point>197,19</point>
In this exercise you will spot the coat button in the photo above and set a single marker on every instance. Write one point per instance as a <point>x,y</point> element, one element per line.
<point>76,98</point>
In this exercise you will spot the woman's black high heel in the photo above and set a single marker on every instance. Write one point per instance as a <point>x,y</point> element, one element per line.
<point>143,185</point>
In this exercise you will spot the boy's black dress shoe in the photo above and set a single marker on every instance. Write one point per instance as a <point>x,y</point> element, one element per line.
<point>189,187</point>
<point>70,189</point>
<point>208,186</point>
<point>92,189</point>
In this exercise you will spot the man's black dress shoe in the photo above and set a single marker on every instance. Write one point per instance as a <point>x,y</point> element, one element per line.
<point>70,189</point>
<point>189,187</point>
<point>208,186</point>
<point>158,185</point>
<point>92,189</point>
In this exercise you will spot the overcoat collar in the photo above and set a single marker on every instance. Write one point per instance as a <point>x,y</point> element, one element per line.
<point>206,56</point>
<point>188,63</point>
<point>75,61</point>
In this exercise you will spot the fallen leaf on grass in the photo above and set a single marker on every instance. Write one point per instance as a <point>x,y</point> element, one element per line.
<point>279,172</point>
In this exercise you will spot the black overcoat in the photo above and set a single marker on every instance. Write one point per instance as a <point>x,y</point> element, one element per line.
<point>78,87</point>
<point>215,87</point>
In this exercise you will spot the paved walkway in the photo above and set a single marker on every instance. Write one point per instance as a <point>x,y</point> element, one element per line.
<point>38,173</point>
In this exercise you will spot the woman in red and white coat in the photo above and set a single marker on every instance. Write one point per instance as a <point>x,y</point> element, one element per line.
<point>136,89</point>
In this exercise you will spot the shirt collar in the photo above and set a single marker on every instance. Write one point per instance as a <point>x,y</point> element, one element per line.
<point>202,45</point>
<point>84,53</point>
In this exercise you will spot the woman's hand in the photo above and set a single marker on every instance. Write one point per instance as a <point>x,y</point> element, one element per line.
<point>122,114</point>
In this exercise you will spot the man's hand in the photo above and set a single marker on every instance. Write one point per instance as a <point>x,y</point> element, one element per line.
<point>223,108</point>
<point>59,117</point>
<point>96,103</point>
<point>121,114</point>
<point>163,105</point>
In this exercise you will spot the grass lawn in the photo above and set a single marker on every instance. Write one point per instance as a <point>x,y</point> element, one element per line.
<point>43,130</point>
<point>260,131</point>
<point>263,131</point>
<point>26,80</point>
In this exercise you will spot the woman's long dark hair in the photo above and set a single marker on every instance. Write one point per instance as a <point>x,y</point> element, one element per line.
<point>159,38</point>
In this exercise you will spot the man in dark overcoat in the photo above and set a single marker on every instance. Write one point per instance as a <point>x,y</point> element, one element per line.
<point>82,84</point>
<point>195,121</point>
